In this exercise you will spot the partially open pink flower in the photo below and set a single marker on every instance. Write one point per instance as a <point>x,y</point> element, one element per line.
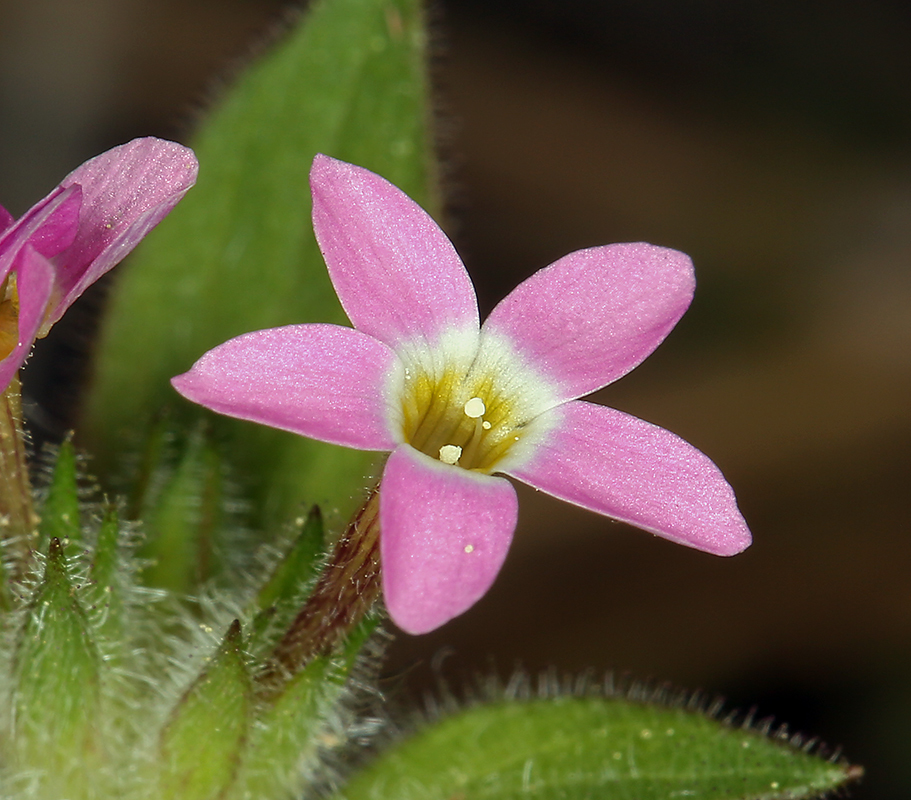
<point>458,403</point>
<point>83,228</point>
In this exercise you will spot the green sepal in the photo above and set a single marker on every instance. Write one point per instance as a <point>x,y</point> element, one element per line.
<point>302,720</point>
<point>291,727</point>
<point>202,742</point>
<point>298,566</point>
<point>359,637</point>
<point>285,591</point>
<point>60,517</point>
<point>238,254</point>
<point>589,747</point>
<point>183,516</point>
<point>57,680</point>
<point>105,574</point>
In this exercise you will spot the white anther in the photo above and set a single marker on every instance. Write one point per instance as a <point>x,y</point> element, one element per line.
<point>450,453</point>
<point>469,548</point>
<point>485,425</point>
<point>475,408</point>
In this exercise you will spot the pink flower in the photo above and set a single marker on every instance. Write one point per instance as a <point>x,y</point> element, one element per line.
<point>83,228</point>
<point>458,403</point>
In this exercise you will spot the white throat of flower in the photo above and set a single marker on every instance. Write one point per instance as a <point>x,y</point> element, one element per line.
<point>470,407</point>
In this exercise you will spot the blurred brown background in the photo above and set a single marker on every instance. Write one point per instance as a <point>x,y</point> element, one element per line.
<point>771,141</point>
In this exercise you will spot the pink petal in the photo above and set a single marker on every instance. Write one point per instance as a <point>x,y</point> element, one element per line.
<point>126,192</point>
<point>444,535</point>
<point>592,316</point>
<point>6,219</point>
<point>396,274</point>
<point>49,227</point>
<point>34,283</point>
<point>620,466</point>
<point>323,381</point>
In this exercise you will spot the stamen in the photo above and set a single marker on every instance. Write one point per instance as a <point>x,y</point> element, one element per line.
<point>450,454</point>
<point>469,548</point>
<point>475,408</point>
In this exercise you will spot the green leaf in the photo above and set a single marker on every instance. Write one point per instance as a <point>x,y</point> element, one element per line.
<point>201,744</point>
<point>57,680</point>
<point>578,747</point>
<point>238,254</point>
<point>60,512</point>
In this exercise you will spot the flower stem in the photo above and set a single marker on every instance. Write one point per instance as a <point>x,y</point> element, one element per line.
<point>345,592</point>
<point>18,520</point>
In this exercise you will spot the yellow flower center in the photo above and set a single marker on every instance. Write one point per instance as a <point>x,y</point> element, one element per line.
<point>464,420</point>
<point>9,316</point>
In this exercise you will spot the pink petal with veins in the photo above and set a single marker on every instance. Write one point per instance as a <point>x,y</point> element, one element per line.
<point>34,283</point>
<point>444,534</point>
<point>592,316</point>
<point>323,381</point>
<point>396,274</point>
<point>126,192</point>
<point>49,227</point>
<point>612,463</point>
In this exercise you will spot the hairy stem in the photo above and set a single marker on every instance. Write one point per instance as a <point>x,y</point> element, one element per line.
<point>18,520</point>
<point>345,592</point>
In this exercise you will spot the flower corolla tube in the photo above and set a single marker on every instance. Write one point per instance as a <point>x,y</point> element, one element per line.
<point>459,404</point>
<point>83,228</point>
